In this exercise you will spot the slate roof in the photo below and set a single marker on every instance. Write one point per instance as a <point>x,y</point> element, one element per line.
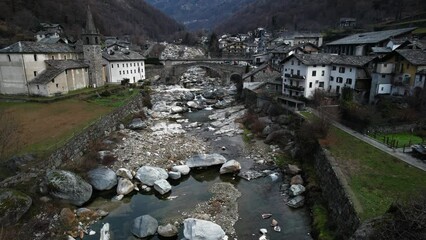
<point>37,47</point>
<point>56,67</point>
<point>123,55</point>
<point>328,59</point>
<point>370,37</point>
<point>414,56</point>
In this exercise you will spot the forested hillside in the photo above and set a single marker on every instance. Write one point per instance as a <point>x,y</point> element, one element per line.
<point>20,18</point>
<point>318,14</point>
<point>199,14</point>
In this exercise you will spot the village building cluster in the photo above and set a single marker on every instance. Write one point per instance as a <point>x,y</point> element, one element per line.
<point>372,64</point>
<point>54,66</point>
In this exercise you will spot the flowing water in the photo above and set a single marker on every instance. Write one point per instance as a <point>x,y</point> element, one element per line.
<point>258,196</point>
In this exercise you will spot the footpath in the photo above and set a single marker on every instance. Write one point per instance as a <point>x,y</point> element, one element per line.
<point>397,153</point>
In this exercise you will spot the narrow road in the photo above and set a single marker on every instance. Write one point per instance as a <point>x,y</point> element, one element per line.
<point>394,152</point>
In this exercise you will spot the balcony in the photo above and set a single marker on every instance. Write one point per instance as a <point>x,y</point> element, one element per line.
<point>294,76</point>
<point>294,88</point>
<point>401,80</point>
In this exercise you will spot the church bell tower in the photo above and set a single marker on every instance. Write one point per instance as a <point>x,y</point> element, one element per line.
<point>92,51</point>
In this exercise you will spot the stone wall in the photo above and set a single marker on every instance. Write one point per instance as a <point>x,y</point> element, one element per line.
<point>338,194</point>
<point>77,145</point>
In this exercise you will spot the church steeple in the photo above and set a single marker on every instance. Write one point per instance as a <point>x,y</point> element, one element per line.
<point>92,51</point>
<point>90,24</point>
<point>90,34</point>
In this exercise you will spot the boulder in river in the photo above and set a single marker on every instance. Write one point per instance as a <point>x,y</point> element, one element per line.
<point>174,175</point>
<point>148,175</point>
<point>68,186</point>
<point>293,169</point>
<point>125,186</point>
<point>13,205</point>
<point>124,173</point>
<point>102,178</point>
<point>205,160</point>
<point>296,202</point>
<point>162,186</point>
<point>297,189</point>
<point>230,167</point>
<point>196,229</point>
<point>183,169</point>
<point>168,230</point>
<point>105,232</point>
<point>144,226</point>
<point>296,180</point>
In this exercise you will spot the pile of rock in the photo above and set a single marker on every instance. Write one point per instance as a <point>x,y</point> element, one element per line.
<point>173,51</point>
<point>296,189</point>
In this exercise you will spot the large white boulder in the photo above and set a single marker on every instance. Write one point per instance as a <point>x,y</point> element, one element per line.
<point>196,229</point>
<point>183,169</point>
<point>230,167</point>
<point>297,189</point>
<point>102,178</point>
<point>148,175</point>
<point>162,186</point>
<point>125,186</point>
<point>205,160</point>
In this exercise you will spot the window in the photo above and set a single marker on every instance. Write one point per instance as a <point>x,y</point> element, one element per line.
<point>119,72</point>
<point>315,65</point>
<point>8,57</point>
<point>348,81</point>
<point>298,72</point>
<point>310,85</point>
<point>96,40</point>
<point>350,69</point>
<point>35,57</point>
<point>291,72</point>
<point>52,57</point>
<point>86,69</point>
<point>383,75</point>
<point>322,73</point>
<point>123,64</point>
<point>292,62</point>
<point>112,65</point>
<point>321,84</point>
<point>314,73</point>
<point>127,71</point>
<point>65,57</point>
<point>87,41</point>
<point>35,73</point>
<point>53,80</point>
<point>298,63</point>
<point>127,65</point>
<point>331,78</point>
<point>341,69</point>
<point>334,68</point>
<point>339,79</point>
<point>38,87</point>
<point>66,72</point>
<point>57,85</point>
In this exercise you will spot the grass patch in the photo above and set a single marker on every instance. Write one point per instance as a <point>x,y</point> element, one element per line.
<point>320,222</point>
<point>376,178</point>
<point>247,135</point>
<point>43,127</point>
<point>282,160</point>
<point>114,100</point>
<point>308,115</point>
<point>403,138</point>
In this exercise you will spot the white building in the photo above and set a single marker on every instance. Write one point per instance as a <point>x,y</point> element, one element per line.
<point>303,73</point>
<point>124,64</point>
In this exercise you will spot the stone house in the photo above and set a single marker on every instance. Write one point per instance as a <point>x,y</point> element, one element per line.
<point>60,77</point>
<point>21,62</point>
<point>47,69</point>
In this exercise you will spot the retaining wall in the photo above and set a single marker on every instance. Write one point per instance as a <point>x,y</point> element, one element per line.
<point>77,145</point>
<point>337,193</point>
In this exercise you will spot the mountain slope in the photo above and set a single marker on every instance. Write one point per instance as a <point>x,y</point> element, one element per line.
<point>199,14</point>
<point>113,17</point>
<point>316,14</point>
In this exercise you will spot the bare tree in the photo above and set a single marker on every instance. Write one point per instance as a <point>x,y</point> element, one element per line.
<point>8,136</point>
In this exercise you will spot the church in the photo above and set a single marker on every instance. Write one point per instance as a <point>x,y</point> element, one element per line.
<point>52,69</point>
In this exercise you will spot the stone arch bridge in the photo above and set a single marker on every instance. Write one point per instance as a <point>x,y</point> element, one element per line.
<point>224,71</point>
